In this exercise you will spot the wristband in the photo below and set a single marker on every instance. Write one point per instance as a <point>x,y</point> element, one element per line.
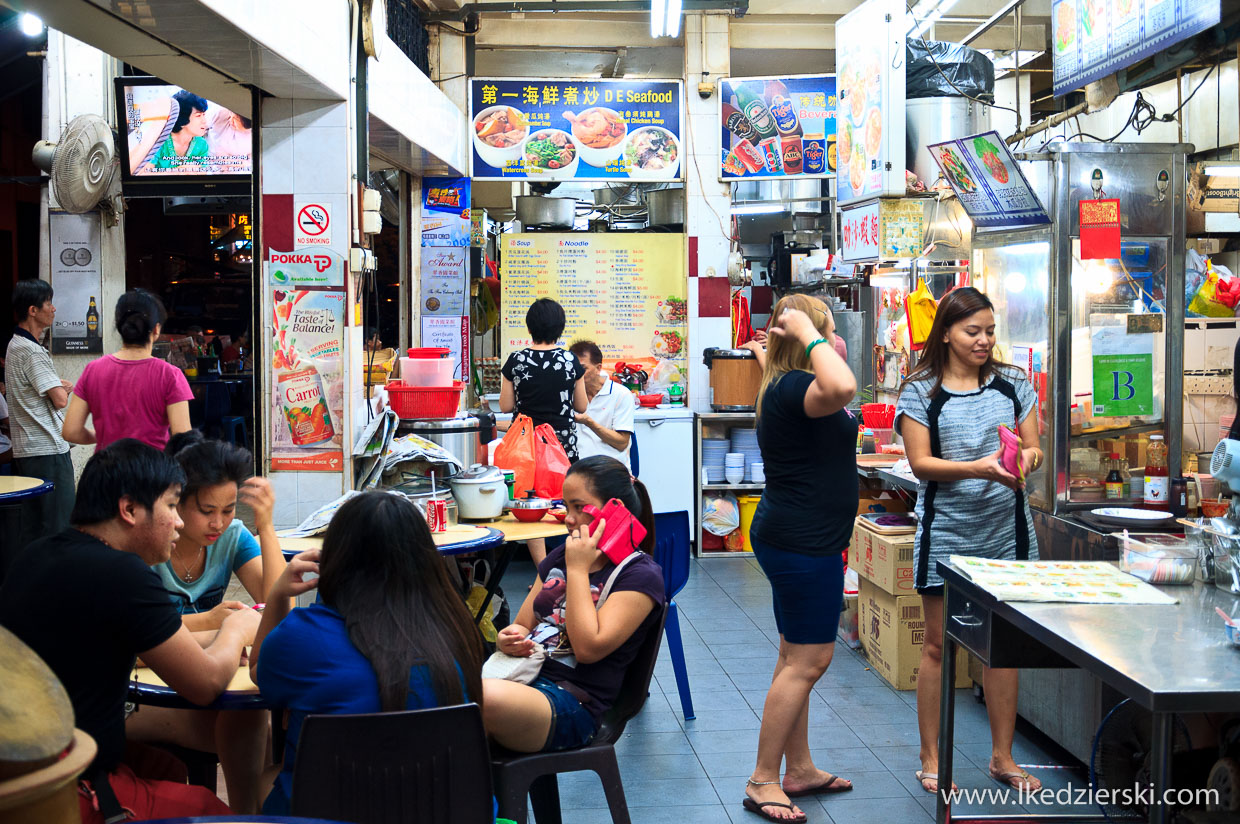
<point>812,344</point>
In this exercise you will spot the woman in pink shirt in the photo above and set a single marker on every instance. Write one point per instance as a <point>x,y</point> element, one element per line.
<point>130,394</point>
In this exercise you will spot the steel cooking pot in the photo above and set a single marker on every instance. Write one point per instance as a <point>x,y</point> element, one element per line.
<point>465,438</point>
<point>480,492</point>
<point>530,508</point>
<point>546,212</point>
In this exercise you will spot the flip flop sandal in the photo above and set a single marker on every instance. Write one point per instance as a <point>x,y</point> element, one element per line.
<point>760,809</point>
<point>825,788</point>
<point>923,777</point>
<point>1014,779</point>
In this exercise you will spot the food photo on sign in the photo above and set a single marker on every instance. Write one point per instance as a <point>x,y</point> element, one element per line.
<point>775,127</point>
<point>552,130</point>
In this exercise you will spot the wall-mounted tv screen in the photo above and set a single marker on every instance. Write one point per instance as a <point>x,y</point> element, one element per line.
<point>178,142</point>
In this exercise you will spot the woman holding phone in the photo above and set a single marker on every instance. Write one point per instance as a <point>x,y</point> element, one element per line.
<point>949,412</point>
<point>800,530</point>
<point>588,647</point>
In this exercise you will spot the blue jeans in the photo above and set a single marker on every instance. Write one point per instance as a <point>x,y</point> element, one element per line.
<point>807,592</point>
<point>572,725</point>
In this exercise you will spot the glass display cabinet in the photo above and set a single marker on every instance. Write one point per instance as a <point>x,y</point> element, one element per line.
<point>1100,339</point>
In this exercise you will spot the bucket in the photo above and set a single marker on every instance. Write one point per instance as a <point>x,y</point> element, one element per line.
<point>749,505</point>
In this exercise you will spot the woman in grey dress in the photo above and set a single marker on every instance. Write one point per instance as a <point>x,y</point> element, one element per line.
<point>948,413</point>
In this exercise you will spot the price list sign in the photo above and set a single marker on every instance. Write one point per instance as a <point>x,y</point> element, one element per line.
<point>991,187</point>
<point>627,293</point>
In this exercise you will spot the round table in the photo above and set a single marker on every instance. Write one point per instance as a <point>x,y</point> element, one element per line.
<point>15,490</point>
<point>148,689</point>
<point>460,539</point>
<point>241,819</point>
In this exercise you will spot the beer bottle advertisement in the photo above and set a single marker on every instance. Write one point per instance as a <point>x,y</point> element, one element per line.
<point>777,127</point>
<point>77,279</point>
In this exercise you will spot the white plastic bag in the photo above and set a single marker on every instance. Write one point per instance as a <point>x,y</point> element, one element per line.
<point>721,514</point>
<point>664,374</point>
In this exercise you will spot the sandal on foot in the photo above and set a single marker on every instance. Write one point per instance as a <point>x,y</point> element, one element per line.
<point>825,788</point>
<point>923,777</point>
<point>759,808</point>
<point>1017,780</point>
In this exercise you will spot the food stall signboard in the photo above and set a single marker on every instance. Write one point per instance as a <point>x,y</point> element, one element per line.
<point>777,127</point>
<point>625,292</point>
<point>989,183</point>
<point>1123,372</point>
<point>859,233</point>
<point>78,280</point>
<point>869,112</point>
<point>451,333</point>
<point>445,211</point>
<point>1095,38</point>
<point>579,129</point>
<point>886,229</point>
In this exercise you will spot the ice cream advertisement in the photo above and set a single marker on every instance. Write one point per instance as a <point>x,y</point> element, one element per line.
<point>308,398</point>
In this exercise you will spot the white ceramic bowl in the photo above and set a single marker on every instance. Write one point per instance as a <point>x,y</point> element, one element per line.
<point>543,173</point>
<point>638,173</point>
<point>493,155</point>
<point>600,157</point>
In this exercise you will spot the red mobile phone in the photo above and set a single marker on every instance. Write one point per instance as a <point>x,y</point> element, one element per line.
<point>624,532</point>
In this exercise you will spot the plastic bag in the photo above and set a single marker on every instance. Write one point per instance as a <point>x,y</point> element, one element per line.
<point>550,463</point>
<point>920,308</point>
<point>721,514</point>
<point>536,457</point>
<point>938,69</point>
<point>1210,299</point>
<point>664,374</point>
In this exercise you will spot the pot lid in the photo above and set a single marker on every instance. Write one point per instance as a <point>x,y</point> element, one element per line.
<point>726,354</point>
<point>530,502</point>
<point>479,474</point>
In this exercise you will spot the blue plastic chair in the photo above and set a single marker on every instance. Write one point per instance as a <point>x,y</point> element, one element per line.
<point>671,551</point>
<point>233,430</point>
<point>633,463</point>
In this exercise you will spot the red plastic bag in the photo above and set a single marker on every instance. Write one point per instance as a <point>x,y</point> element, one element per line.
<point>550,464</point>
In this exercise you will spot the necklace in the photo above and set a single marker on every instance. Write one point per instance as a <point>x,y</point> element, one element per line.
<point>187,571</point>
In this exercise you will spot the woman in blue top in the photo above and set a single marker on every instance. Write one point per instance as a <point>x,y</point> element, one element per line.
<point>389,632</point>
<point>212,546</point>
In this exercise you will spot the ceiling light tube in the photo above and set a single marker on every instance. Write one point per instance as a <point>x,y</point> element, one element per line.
<point>672,29</point>
<point>1231,170</point>
<point>658,13</point>
<point>758,209</point>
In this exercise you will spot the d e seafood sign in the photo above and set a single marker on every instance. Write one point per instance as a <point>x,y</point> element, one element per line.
<point>577,129</point>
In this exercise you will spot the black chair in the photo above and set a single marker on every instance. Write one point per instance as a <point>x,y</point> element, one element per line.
<point>533,775</point>
<point>428,766</point>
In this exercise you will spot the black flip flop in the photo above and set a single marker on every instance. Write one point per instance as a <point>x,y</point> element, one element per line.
<point>821,789</point>
<point>760,809</point>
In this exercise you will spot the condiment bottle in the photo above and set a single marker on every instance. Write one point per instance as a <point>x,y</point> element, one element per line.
<point>867,442</point>
<point>1157,484</point>
<point>1179,497</point>
<point>1114,481</point>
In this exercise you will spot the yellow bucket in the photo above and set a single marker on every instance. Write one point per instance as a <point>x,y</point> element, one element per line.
<point>749,504</point>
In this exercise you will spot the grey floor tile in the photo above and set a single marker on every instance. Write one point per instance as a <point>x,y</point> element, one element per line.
<point>706,814</point>
<point>581,790</point>
<point>693,652</point>
<point>713,637</point>
<point>760,661</point>
<point>907,760</point>
<point>832,736</point>
<point>746,681</point>
<point>704,683</point>
<point>871,784</point>
<point>846,760</point>
<point>598,815</point>
<point>650,767</point>
<point>876,810</point>
<point>745,741</point>
<point>638,744</point>
<point>737,719</point>
<point>889,714</point>
<point>661,721</point>
<point>738,764</point>
<point>678,792</point>
<point>698,666</point>
<point>886,735</point>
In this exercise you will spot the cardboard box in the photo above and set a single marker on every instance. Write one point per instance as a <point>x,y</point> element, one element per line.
<point>892,629</point>
<point>849,631</point>
<point>883,502</point>
<point>1213,193</point>
<point>884,560</point>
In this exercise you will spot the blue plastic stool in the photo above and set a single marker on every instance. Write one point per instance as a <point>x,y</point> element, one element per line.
<point>671,551</point>
<point>230,425</point>
<point>217,404</point>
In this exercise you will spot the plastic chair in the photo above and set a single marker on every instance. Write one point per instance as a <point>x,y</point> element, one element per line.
<point>428,766</point>
<point>518,775</point>
<point>634,464</point>
<point>671,550</point>
<point>233,429</point>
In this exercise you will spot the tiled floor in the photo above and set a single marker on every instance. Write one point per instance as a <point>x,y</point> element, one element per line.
<point>694,771</point>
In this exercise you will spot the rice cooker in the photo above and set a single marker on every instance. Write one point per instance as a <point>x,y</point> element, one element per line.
<point>734,379</point>
<point>480,492</point>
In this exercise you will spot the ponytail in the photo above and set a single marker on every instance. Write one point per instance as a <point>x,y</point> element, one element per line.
<point>608,478</point>
<point>138,312</point>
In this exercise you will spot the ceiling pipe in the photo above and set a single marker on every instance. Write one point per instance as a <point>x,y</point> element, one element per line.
<point>991,21</point>
<point>737,8</point>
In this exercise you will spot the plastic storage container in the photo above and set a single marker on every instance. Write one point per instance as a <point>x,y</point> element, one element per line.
<point>429,367</point>
<point>1157,558</point>
<point>749,505</point>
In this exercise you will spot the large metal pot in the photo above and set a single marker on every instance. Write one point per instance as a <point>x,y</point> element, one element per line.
<point>466,438</point>
<point>666,207</point>
<point>480,492</point>
<point>546,212</point>
<point>934,120</point>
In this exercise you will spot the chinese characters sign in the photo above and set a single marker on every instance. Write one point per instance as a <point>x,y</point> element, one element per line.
<point>860,233</point>
<point>882,230</point>
<point>1095,38</point>
<point>1100,229</point>
<point>575,129</point>
<point>445,211</point>
<point>991,187</point>
<point>774,127</point>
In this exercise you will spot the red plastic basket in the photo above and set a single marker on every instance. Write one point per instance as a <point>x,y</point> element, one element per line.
<point>878,415</point>
<point>421,402</point>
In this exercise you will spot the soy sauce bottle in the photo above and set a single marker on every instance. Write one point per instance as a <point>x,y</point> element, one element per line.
<point>1114,480</point>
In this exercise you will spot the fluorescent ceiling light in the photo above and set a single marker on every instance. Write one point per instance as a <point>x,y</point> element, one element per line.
<point>672,29</point>
<point>31,26</point>
<point>926,13</point>
<point>1223,171</point>
<point>757,209</point>
<point>1004,61</point>
<point>658,11</point>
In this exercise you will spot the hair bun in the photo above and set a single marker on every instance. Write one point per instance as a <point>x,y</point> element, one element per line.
<point>182,441</point>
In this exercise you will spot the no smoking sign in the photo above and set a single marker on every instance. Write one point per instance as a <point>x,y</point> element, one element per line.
<point>312,224</point>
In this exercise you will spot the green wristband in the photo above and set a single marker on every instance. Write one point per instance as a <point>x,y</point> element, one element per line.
<point>812,344</point>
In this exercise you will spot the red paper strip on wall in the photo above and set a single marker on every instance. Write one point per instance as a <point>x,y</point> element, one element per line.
<point>1099,229</point>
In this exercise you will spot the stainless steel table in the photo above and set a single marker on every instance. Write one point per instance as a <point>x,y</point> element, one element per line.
<point>1169,659</point>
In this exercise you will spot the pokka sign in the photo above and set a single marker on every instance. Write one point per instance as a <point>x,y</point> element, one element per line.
<point>545,129</point>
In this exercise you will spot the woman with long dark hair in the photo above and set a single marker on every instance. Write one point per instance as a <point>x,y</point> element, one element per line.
<point>388,633</point>
<point>948,413</point>
<point>131,394</point>
<point>588,647</point>
<point>799,533</point>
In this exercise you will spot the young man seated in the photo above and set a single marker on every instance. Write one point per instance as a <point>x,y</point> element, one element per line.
<point>88,602</point>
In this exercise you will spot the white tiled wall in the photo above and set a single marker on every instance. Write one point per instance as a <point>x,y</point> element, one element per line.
<point>298,494</point>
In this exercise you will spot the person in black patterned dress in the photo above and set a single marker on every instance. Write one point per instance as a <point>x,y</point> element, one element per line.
<point>546,383</point>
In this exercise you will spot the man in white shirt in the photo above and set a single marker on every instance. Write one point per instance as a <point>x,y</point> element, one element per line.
<point>606,427</point>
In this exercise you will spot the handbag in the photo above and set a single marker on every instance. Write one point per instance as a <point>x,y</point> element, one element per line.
<point>525,670</point>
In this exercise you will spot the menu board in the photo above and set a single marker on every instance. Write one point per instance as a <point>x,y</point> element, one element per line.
<point>869,113</point>
<point>991,187</point>
<point>1096,38</point>
<point>625,292</point>
<point>576,129</point>
<point>777,127</point>
<point>1060,582</point>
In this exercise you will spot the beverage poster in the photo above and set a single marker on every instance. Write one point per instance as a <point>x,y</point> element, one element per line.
<point>77,280</point>
<point>990,185</point>
<point>869,112</point>
<point>445,211</point>
<point>308,395</point>
<point>777,127</point>
<point>542,129</point>
<point>1092,39</point>
<point>626,292</point>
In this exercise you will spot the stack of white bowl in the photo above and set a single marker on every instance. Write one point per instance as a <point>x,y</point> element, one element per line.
<point>734,467</point>
<point>745,441</point>
<point>757,472</point>
<point>713,450</point>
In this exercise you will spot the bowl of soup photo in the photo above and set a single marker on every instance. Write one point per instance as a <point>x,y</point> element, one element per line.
<point>599,134</point>
<point>551,154</point>
<point>499,135</point>
<point>652,153</point>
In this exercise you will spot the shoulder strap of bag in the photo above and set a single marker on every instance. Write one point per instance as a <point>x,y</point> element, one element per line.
<point>611,579</point>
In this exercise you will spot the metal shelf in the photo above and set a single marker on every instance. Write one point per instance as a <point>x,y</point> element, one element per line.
<point>723,553</point>
<point>735,487</point>
<point>1107,434</point>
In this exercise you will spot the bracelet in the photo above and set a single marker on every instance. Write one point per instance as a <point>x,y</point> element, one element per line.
<point>812,344</point>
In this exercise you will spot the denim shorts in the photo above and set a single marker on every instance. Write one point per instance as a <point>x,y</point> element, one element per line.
<point>807,592</point>
<point>572,725</point>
